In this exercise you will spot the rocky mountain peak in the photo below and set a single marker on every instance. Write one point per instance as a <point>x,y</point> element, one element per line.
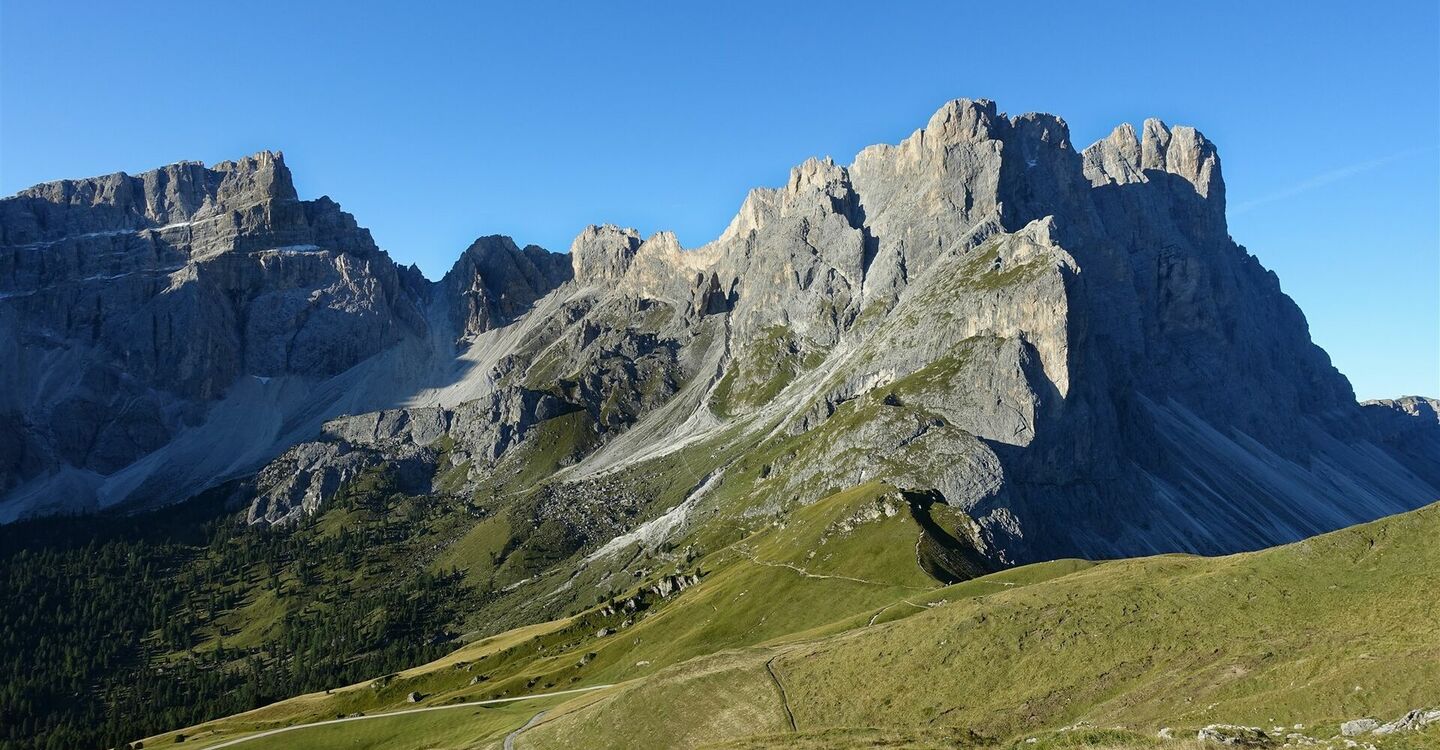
<point>662,243</point>
<point>1067,346</point>
<point>263,176</point>
<point>603,253</point>
<point>495,281</point>
<point>133,303</point>
<point>1423,408</point>
<point>1115,159</point>
<point>175,194</point>
<point>962,121</point>
<point>1125,158</point>
<point>759,203</point>
<point>815,174</point>
<point>1182,151</point>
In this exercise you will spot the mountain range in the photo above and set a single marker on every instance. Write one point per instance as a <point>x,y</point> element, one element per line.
<point>1065,345</point>
<point>973,359</point>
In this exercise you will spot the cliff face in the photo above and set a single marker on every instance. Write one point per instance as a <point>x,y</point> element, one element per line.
<point>129,302</point>
<point>494,282</point>
<point>129,305</point>
<point>1066,345</point>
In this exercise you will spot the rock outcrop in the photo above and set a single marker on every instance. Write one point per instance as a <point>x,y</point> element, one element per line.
<point>495,281</point>
<point>1234,735</point>
<point>602,254</point>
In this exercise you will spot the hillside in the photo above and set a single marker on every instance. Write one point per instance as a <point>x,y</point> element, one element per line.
<point>1314,633</point>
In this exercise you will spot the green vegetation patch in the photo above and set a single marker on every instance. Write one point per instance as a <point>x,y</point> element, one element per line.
<point>761,370</point>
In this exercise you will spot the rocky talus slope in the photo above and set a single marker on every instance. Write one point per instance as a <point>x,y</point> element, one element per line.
<point>1065,346</point>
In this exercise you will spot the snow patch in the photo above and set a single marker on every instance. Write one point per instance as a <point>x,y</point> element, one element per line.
<point>112,277</point>
<point>294,250</point>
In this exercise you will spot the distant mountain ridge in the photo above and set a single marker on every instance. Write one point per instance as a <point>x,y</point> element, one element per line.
<point>1065,345</point>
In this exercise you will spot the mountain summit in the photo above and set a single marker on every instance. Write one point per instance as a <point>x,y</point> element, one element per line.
<point>1064,347</point>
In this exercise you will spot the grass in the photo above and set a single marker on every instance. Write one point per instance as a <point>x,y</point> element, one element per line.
<point>434,730</point>
<point>825,617</point>
<point>444,681</point>
<point>1317,632</point>
<point>744,582</point>
<point>760,371</point>
<point>554,443</point>
<point>450,729</point>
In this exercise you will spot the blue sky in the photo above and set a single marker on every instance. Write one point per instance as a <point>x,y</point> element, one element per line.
<point>439,123</point>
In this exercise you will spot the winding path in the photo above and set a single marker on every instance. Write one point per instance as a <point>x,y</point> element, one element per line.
<point>510,738</point>
<point>784,699</point>
<point>491,702</point>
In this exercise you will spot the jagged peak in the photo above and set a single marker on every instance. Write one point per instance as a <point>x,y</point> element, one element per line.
<point>1043,128</point>
<point>662,243</point>
<point>175,193</point>
<point>260,161</point>
<point>815,174</point>
<point>1123,157</point>
<point>495,280</point>
<point>962,121</point>
<point>489,252</point>
<point>603,252</point>
<point>264,169</point>
<point>491,243</point>
<point>603,234</point>
<point>758,205</point>
<point>1422,407</point>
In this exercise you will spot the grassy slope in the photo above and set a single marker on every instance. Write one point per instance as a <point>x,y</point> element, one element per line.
<point>870,651</point>
<point>1332,628</point>
<point>734,606</point>
<point>361,697</point>
<point>432,730</point>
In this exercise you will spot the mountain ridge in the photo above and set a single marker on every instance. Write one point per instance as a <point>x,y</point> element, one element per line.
<point>1105,281</point>
<point>969,351</point>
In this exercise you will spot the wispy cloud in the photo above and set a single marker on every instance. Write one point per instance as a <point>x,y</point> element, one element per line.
<point>1334,175</point>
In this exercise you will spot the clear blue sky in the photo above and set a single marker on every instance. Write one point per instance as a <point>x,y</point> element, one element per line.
<point>437,123</point>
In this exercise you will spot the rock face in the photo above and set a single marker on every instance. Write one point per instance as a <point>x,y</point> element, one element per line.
<point>127,303</point>
<point>602,255</point>
<point>1067,346</point>
<point>130,305</point>
<point>494,282</point>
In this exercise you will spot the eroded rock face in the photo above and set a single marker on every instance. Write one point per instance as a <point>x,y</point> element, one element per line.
<point>602,254</point>
<point>186,277</point>
<point>495,282</point>
<point>128,302</point>
<point>403,443</point>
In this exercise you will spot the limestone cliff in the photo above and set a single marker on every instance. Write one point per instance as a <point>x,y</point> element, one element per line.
<point>1065,345</point>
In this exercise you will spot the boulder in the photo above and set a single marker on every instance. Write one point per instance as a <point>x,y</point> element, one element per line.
<point>1357,727</point>
<point>1234,735</point>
